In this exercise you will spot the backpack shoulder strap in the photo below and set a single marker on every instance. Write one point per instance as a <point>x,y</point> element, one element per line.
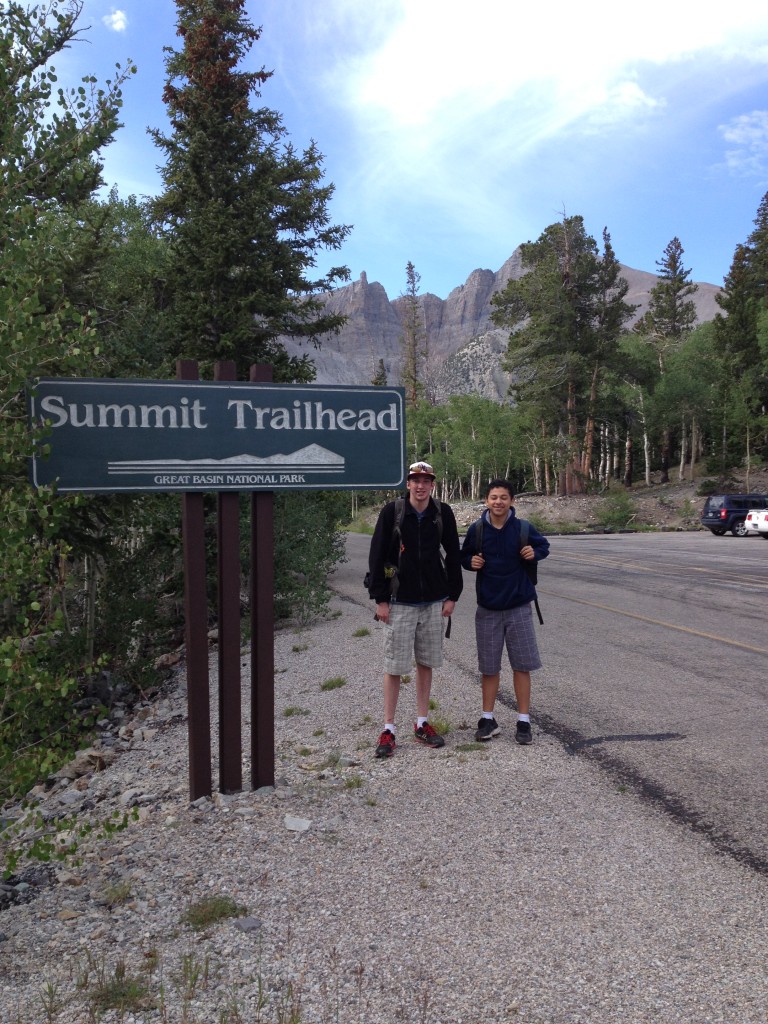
<point>439,521</point>
<point>397,525</point>
<point>478,524</point>
<point>399,515</point>
<point>524,527</point>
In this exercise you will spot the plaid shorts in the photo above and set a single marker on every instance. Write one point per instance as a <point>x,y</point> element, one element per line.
<point>512,627</point>
<point>413,630</point>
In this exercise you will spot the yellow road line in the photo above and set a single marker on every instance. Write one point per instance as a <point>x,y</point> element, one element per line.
<point>657,622</point>
<point>668,569</point>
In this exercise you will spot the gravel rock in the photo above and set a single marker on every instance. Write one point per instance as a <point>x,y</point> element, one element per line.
<point>451,886</point>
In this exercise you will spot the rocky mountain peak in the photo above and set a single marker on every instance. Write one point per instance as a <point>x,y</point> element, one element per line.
<point>464,346</point>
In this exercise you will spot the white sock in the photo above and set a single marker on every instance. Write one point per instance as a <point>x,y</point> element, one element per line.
<point>488,714</point>
<point>390,726</point>
<point>523,718</point>
<point>421,721</point>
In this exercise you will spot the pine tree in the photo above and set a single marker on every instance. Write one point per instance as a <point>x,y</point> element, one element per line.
<point>379,378</point>
<point>744,297</point>
<point>671,314</point>
<point>670,318</point>
<point>611,315</point>
<point>564,315</point>
<point>246,213</point>
<point>742,342</point>
<point>414,338</point>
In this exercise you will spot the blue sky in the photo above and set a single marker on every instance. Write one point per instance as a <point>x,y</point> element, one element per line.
<point>453,131</point>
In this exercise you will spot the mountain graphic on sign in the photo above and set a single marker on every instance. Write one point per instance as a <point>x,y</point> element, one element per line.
<point>312,458</point>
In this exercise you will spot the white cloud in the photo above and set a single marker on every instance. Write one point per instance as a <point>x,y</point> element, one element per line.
<point>442,100</point>
<point>435,54</point>
<point>116,21</point>
<point>748,135</point>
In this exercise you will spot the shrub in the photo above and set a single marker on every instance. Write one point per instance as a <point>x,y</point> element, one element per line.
<point>616,511</point>
<point>309,542</point>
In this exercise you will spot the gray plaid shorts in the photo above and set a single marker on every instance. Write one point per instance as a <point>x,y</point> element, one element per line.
<point>512,627</point>
<point>413,630</point>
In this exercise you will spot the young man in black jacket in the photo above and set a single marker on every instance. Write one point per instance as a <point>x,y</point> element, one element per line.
<point>426,590</point>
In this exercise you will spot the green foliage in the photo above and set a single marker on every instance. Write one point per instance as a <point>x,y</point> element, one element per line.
<point>616,511</point>
<point>50,169</point>
<point>741,340</point>
<point>34,837</point>
<point>139,582</point>
<point>470,441</point>
<point>565,316</point>
<point>309,541</point>
<point>244,212</point>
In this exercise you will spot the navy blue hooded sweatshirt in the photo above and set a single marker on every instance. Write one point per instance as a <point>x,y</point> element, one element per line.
<point>502,582</point>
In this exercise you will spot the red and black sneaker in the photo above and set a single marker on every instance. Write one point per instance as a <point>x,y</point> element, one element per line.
<point>386,747</point>
<point>426,734</point>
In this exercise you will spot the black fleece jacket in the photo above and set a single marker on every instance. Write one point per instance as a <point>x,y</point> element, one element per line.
<point>422,577</point>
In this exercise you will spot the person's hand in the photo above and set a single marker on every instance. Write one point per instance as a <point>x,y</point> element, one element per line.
<point>527,553</point>
<point>448,607</point>
<point>477,561</point>
<point>382,611</point>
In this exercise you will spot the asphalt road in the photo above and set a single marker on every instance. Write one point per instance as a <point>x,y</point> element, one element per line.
<point>655,652</point>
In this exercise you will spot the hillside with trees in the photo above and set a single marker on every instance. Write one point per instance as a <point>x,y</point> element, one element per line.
<point>599,397</point>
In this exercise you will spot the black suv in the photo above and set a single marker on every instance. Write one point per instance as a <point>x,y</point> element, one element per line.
<point>723,512</point>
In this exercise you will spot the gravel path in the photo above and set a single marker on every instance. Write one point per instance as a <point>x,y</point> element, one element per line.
<point>441,887</point>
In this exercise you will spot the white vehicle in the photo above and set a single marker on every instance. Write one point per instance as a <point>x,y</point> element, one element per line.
<point>757,522</point>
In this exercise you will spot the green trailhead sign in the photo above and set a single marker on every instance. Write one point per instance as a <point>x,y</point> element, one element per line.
<point>140,435</point>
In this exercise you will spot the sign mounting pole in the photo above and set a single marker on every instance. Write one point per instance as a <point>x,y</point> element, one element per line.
<point>228,553</point>
<point>262,626</point>
<point>196,629</point>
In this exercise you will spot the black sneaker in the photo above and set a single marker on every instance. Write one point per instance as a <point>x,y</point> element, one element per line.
<point>486,729</point>
<point>386,747</point>
<point>523,732</point>
<point>426,734</point>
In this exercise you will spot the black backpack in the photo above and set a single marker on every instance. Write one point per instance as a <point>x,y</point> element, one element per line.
<point>391,572</point>
<point>531,568</point>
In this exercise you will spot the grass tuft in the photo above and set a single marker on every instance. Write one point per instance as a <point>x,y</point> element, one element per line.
<point>211,910</point>
<point>334,683</point>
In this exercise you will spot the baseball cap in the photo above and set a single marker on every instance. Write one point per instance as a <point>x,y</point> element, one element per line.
<point>421,469</point>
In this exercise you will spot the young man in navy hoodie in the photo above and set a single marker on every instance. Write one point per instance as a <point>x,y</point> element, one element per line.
<point>504,616</point>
